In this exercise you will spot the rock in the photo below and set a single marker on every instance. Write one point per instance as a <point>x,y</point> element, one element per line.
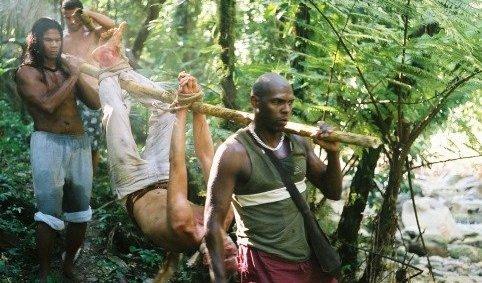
<point>466,210</point>
<point>400,252</point>
<point>475,241</point>
<point>416,248</point>
<point>469,230</point>
<point>447,184</point>
<point>415,259</point>
<point>459,279</point>
<point>460,250</point>
<point>435,218</point>
<point>469,182</point>
<point>434,244</point>
<point>409,234</point>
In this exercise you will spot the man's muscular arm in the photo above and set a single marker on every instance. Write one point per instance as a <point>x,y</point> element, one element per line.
<point>34,90</point>
<point>104,21</point>
<point>227,164</point>
<point>87,94</point>
<point>327,178</point>
<point>203,143</point>
<point>179,212</point>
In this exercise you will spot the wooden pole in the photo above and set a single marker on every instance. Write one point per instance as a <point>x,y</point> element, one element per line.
<point>239,117</point>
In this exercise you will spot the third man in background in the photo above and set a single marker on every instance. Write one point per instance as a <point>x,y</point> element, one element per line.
<point>80,42</point>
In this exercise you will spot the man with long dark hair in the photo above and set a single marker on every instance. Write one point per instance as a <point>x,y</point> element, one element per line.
<point>80,41</point>
<point>60,151</point>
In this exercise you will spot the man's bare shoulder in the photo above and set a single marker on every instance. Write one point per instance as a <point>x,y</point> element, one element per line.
<point>231,158</point>
<point>231,153</point>
<point>233,147</point>
<point>27,74</point>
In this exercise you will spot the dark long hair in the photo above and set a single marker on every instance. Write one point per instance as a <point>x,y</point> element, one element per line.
<point>35,54</point>
<point>72,4</point>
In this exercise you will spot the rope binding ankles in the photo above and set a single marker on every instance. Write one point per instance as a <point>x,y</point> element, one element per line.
<point>114,70</point>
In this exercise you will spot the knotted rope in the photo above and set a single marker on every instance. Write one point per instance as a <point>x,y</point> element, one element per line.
<point>182,101</point>
<point>114,70</point>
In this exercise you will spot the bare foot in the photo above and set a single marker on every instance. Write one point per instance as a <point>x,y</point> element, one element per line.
<point>110,53</point>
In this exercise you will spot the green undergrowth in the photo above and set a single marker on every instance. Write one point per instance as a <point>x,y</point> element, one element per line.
<point>114,249</point>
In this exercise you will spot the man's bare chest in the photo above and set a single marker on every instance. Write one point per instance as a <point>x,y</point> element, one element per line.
<point>81,48</point>
<point>54,79</point>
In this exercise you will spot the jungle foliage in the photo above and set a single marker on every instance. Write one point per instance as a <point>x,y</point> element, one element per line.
<point>395,69</point>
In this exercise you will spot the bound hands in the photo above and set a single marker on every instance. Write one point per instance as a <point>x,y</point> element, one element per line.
<point>230,256</point>
<point>324,131</point>
<point>188,92</point>
<point>187,84</point>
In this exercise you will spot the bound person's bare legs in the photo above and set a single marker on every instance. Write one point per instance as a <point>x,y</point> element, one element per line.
<point>163,214</point>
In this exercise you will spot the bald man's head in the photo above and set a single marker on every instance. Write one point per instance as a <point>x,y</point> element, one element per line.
<point>269,83</point>
<point>272,100</point>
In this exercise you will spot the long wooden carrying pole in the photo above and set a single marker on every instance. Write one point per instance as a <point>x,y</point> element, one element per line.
<point>239,117</point>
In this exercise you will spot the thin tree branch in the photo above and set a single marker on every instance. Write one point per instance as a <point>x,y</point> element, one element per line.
<point>435,110</point>
<point>412,196</point>
<point>153,9</point>
<point>332,68</point>
<point>419,271</point>
<point>400,77</point>
<point>349,164</point>
<point>428,164</point>
<point>360,73</point>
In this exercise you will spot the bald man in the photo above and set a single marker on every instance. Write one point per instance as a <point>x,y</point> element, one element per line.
<point>270,229</point>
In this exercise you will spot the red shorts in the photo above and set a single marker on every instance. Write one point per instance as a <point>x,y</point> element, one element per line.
<point>260,267</point>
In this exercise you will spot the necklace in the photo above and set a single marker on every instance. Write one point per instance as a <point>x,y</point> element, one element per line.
<point>265,145</point>
<point>50,69</point>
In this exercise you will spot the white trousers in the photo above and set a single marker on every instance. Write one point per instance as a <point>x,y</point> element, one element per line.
<point>130,170</point>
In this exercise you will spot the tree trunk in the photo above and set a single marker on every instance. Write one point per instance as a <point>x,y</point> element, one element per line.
<point>185,16</point>
<point>154,7</point>
<point>302,32</point>
<point>351,217</point>
<point>227,21</point>
<point>387,220</point>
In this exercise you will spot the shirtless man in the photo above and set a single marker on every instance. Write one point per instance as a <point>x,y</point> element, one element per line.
<point>60,151</point>
<point>80,42</point>
<point>154,183</point>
